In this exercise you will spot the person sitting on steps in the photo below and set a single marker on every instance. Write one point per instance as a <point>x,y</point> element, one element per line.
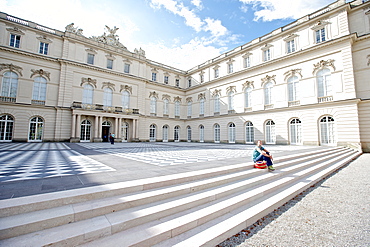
<point>262,154</point>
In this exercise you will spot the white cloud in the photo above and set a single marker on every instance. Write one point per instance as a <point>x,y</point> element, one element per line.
<point>215,27</point>
<point>269,10</point>
<point>184,56</point>
<point>197,3</point>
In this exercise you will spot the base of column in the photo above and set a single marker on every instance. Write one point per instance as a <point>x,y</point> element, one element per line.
<point>74,139</point>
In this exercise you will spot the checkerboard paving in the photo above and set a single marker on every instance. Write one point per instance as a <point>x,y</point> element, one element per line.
<point>20,161</point>
<point>169,154</point>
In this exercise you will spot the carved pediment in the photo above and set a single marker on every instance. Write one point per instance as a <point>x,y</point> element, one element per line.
<point>40,72</point>
<point>231,89</point>
<point>248,84</point>
<point>293,72</point>
<point>166,96</point>
<point>126,88</point>
<point>216,92</point>
<point>153,94</point>
<point>177,98</point>
<point>15,30</point>
<point>109,85</point>
<point>201,96</point>
<point>189,99</point>
<point>44,39</point>
<point>323,64</point>
<point>109,37</point>
<point>89,81</point>
<point>11,67</point>
<point>268,79</point>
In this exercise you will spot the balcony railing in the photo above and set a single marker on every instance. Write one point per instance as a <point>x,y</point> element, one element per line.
<point>325,99</point>
<point>98,107</point>
<point>38,102</point>
<point>270,106</point>
<point>294,103</point>
<point>8,99</point>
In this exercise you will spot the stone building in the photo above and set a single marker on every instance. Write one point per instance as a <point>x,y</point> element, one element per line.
<point>306,83</point>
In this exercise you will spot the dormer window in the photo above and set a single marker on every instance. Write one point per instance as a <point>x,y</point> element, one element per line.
<point>321,32</point>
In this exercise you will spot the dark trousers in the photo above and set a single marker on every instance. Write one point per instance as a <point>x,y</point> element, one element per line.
<point>264,158</point>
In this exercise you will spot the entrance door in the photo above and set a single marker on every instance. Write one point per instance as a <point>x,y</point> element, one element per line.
<point>105,133</point>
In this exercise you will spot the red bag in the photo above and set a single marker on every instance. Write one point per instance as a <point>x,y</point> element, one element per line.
<point>260,165</point>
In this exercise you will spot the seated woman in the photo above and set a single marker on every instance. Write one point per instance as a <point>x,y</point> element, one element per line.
<point>262,154</point>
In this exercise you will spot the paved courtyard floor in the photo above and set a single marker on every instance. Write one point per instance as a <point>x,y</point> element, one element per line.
<point>33,168</point>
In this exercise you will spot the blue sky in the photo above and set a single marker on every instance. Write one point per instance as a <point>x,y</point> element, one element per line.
<point>178,33</point>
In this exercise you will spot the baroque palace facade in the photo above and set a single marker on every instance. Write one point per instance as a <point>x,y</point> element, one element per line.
<point>307,83</point>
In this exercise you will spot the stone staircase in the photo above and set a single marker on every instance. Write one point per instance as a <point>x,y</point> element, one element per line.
<point>200,208</point>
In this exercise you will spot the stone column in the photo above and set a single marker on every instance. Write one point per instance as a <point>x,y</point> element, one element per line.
<point>73,131</point>
<point>119,129</point>
<point>78,127</point>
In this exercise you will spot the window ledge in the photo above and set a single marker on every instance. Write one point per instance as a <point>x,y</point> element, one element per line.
<point>325,99</point>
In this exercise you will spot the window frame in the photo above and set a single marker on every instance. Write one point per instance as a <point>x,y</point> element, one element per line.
<point>15,40</point>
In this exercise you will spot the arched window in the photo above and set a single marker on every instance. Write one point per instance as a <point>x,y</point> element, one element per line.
<point>201,133</point>
<point>165,133</point>
<point>189,133</point>
<point>268,93</point>
<point>36,129</point>
<point>39,89</point>
<point>324,86</point>
<point>165,106</point>
<point>152,133</point>
<point>176,134</point>
<point>201,106</point>
<point>217,103</point>
<point>190,104</point>
<point>6,128</point>
<point>88,94</point>
<point>295,131</point>
<point>153,105</point>
<point>249,132</point>
<point>248,97</point>
<point>10,85</point>
<point>108,95</point>
<point>232,133</point>
<point>85,131</point>
<point>327,132</point>
<point>270,132</point>
<point>230,97</point>
<point>293,88</point>
<point>177,108</point>
<point>125,99</point>
<point>217,133</point>
<point>125,132</point>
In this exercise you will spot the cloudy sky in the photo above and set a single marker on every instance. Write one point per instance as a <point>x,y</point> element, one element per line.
<point>178,33</point>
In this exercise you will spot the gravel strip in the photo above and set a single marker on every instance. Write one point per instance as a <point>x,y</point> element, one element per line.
<point>334,212</point>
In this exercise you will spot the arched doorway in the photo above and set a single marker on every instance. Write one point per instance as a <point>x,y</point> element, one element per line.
<point>105,131</point>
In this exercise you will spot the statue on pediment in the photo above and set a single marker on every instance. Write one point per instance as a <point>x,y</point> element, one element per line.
<point>110,39</point>
<point>72,29</point>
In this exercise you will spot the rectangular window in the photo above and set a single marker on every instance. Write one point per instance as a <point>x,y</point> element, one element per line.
<point>166,79</point>
<point>154,76</point>
<point>177,83</point>
<point>201,78</point>
<point>127,68</point>
<point>231,68</point>
<point>90,58</point>
<point>189,83</point>
<point>247,62</point>
<point>320,35</point>
<point>290,46</point>
<point>44,47</point>
<point>266,55</point>
<point>216,73</point>
<point>15,40</point>
<point>109,64</point>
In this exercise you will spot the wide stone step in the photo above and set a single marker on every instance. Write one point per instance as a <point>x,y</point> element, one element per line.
<point>39,220</point>
<point>92,223</point>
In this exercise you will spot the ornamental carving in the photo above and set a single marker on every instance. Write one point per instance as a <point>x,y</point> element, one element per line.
<point>11,67</point>
<point>91,50</point>
<point>109,85</point>
<point>248,84</point>
<point>290,37</point>
<point>110,39</point>
<point>292,72</point>
<point>89,81</point>
<point>323,64</point>
<point>268,79</point>
<point>126,88</point>
<point>44,39</point>
<point>153,94</point>
<point>189,99</point>
<point>40,72</point>
<point>216,92</point>
<point>15,30</point>
<point>319,25</point>
<point>140,52</point>
<point>201,96</point>
<point>166,96</point>
<point>177,98</point>
<point>231,89</point>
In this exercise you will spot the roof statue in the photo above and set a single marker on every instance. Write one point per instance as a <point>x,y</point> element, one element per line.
<point>70,28</point>
<point>111,38</point>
